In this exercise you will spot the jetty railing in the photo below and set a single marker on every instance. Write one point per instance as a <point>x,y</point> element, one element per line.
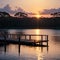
<point>18,37</point>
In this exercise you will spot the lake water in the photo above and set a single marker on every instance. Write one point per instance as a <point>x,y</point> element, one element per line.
<point>16,52</point>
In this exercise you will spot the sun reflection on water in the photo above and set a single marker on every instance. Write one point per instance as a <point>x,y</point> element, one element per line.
<point>37,33</point>
<point>38,50</point>
<point>39,53</point>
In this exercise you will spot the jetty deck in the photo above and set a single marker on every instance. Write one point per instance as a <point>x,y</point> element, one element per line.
<point>17,39</point>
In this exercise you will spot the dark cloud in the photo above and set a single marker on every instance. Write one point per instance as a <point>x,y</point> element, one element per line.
<point>8,9</point>
<point>49,11</point>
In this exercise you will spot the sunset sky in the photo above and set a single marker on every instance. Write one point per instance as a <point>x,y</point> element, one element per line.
<point>31,5</point>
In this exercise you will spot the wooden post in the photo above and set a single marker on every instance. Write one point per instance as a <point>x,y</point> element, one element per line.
<point>19,44</point>
<point>5,48</point>
<point>18,36</point>
<point>4,38</point>
<point>47,40</point>
<point>41,39</point>
<point>29,37</point>
<point>25,37</point>
<point>5,43</point>
<point>19,40</point>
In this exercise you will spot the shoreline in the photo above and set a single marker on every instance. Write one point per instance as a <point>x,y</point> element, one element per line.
<point>29,23</point>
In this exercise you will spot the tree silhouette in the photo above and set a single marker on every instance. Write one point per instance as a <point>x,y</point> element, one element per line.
<point>57,14</point>
<point>4,14</point>
<point>21,14</point>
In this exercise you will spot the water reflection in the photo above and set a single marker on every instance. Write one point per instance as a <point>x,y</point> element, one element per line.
<point>36,53</point>
<point>37,33</point>
<point>39,54</point>
<point>56,39</point>
<point>11,48</point>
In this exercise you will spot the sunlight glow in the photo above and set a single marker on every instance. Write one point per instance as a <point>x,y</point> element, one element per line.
<point>37,33</point>
<point>37,16</point>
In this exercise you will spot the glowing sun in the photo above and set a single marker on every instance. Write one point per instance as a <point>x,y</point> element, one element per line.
<point>37,16</point>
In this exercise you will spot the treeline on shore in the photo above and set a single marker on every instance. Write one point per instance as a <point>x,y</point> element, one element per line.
<point>29,23</point>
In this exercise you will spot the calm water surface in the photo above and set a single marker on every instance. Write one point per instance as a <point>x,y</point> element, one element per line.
<point>16,52</point>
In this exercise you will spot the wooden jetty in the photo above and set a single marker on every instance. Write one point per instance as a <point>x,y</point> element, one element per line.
<point>17,39</point>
